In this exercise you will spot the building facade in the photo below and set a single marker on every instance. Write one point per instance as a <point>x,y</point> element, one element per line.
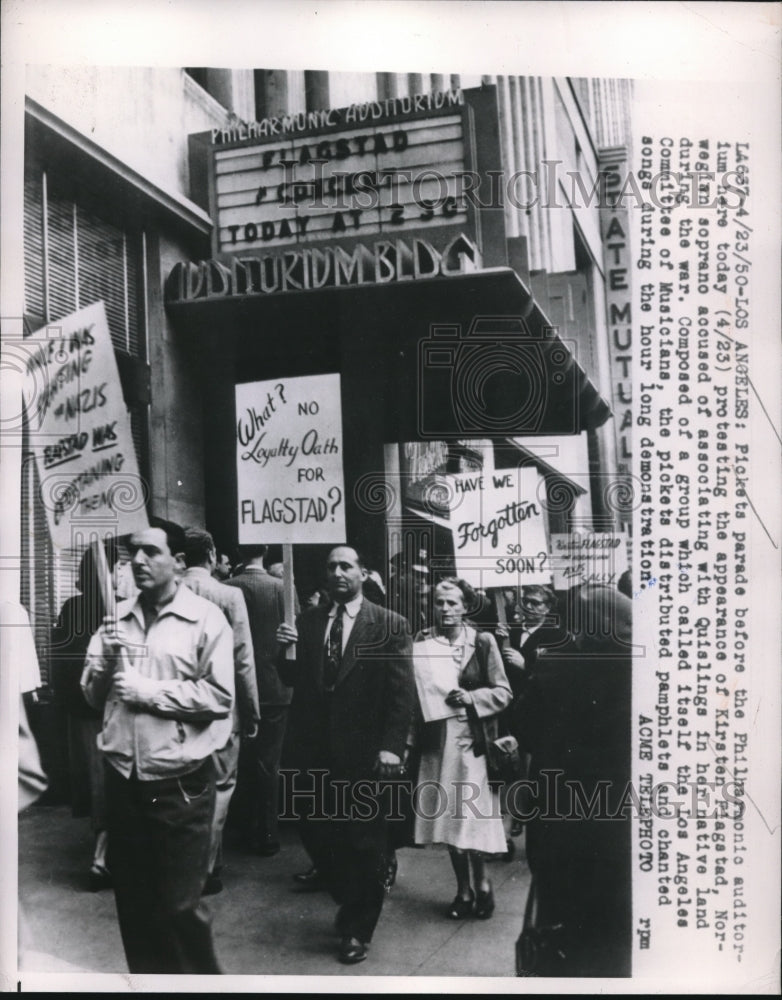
<point>206,286</point>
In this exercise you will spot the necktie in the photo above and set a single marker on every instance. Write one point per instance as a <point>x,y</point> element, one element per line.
<point>334,650</point>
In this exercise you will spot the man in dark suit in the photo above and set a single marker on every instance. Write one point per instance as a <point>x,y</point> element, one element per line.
<point>352,708</point>
<point>574,719</point>
<point>259,766</point>
<point>533,625</point>
<point>539,628</point>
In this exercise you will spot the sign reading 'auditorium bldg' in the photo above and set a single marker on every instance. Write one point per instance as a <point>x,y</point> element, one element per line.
<point>369,194</point>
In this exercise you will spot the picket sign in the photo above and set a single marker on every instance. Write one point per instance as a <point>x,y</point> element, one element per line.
<point>289,467</point>
<point>80,434</point>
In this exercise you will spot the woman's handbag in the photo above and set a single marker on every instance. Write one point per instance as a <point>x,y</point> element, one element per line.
<point>503,759</point>
<point>504,762</point>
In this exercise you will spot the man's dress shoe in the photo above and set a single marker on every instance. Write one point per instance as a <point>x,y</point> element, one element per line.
<point>212,885</point>
<point>351,951</point>
<point>309,881</point>
<point>100,878</point>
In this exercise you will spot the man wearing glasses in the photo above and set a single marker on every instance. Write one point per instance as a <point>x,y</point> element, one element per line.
<point>539,627</point>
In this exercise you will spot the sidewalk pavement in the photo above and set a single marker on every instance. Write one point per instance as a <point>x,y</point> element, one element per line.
<point>263,926</point>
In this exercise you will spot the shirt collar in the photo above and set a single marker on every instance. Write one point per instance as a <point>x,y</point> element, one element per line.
<point>184,604</point>
<point>352,608</point>
<point>467,637</point>
<point>197,571</point>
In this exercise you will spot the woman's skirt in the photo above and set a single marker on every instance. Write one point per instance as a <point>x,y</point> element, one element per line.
<point>454,803</point>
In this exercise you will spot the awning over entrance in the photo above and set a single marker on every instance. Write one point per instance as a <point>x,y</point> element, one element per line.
<point>449,357</point>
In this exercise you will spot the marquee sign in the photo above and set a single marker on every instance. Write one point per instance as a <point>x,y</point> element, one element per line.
<point>385,191</point>
<point>360,181</point>
<point>387,168</point>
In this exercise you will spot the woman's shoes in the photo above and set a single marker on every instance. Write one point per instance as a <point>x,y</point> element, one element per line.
<point>484,904</point>
<point>461,908</point>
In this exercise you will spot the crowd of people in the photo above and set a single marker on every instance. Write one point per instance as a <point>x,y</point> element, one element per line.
<point>183,701</point>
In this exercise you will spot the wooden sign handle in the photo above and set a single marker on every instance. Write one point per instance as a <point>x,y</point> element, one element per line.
<point>502,618</point>
<point>289,595</point>
<point>106,589</point>
<point>105,585</point>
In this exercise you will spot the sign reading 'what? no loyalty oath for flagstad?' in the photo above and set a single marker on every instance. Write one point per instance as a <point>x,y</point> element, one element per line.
<point>289,461</point>
<point>80,431</point>
<point>499,528</point>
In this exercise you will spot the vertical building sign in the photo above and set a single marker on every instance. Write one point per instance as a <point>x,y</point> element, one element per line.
<point>615,230</point>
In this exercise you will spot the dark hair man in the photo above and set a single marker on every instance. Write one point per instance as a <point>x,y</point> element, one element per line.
<point>163,674</point>
<point>200,559</point>
<point>352,708</point>
<point>223,567</point>
<point>259,767</point>
<point>539,628</point>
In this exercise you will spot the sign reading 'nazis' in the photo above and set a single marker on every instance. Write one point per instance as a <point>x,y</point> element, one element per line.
<point>80,430</point>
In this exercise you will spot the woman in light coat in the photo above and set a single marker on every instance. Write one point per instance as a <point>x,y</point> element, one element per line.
<point>455,803</point>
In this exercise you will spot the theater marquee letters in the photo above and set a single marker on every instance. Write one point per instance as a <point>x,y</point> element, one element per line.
<point>376,263</point>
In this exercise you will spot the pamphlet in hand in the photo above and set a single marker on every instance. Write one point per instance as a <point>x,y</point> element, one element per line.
<point>436,674</point>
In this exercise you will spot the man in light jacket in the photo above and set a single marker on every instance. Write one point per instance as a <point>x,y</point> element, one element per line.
<point>163,674</point>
